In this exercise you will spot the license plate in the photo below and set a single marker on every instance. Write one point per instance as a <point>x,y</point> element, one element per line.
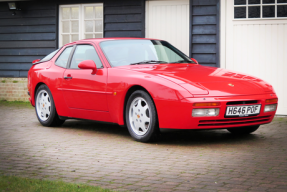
<point>243,111</point>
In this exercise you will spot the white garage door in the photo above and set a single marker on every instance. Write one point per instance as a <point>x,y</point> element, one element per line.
<point>169,20</point>
<point>254,41</point>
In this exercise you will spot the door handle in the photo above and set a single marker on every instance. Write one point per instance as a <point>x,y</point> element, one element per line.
<point>68,77</point>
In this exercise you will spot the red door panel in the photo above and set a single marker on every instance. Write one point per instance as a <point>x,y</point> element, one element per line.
<point>82,90</point>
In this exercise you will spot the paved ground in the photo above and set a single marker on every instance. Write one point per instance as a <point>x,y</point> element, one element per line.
<point>105,155</point>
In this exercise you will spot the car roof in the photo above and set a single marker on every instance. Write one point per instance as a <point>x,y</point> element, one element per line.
<point>108,39</point>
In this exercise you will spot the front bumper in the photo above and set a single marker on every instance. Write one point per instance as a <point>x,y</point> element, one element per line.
<point>177,114</point>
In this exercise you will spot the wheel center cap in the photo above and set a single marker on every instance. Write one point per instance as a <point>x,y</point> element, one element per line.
<point>138,116</point>
<point>43,105</point>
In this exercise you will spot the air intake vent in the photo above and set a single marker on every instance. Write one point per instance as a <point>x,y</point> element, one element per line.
<point>241,102</point>
<point>235,121</point>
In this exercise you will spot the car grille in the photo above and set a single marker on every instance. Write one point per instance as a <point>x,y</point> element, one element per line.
<point>234,121</point>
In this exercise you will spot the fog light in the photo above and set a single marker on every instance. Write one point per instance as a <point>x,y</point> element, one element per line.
<point>205,112</point>
<point>269,108</point>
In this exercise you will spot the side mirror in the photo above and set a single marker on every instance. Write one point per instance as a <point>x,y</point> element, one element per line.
<point>35,61</point>
<point>194,60</point>
<point>88,64</point>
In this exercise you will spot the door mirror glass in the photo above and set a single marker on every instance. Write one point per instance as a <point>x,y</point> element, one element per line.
<point>88,64</point>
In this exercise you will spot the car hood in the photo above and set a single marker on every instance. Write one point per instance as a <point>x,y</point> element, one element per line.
<point>201,80</point>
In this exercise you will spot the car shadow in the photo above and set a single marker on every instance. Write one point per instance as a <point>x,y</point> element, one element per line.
<point>166,136</point>
<point>203,137</point>
<point>94,126</point>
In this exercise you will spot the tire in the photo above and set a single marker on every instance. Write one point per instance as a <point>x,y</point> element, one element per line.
<point>45,107</point>
<point>243,130</point>
<point>141,117</point>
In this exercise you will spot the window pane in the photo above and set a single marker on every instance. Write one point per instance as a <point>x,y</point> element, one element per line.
<point>89,26</point>
<point>99,35</point>
<point>254,12</point>
<point>239,12</point>
<point>66,26</point>
<point>239,2</point>
<point>268,11</point>
<point>125,52</point>
<point>75,38</point>
<point>253,1</point>
<point>75,13</point>
<point>88,36</point>
<point>75,26</point>
<point>99,12</point>
<point>66,13</point>
<point>268,1</point>
<point>50,56</point>
<point>64,57</point>
<point>85,52</point>
<point>281,1</point>
<point>99,26</point>
<point>66,39</point>
<point>89,12</point>
<point>282,11</point>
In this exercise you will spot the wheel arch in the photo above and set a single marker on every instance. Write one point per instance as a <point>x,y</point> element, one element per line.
<point>128,94</point>
<point>33,92</point>
<point>36,88</point>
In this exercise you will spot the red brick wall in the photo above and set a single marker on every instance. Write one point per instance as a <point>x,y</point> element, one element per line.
<point>13,89</point>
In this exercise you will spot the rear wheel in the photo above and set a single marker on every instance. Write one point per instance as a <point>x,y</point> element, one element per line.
<point>141,117</point>
<point>45,108</point>
<point>243,130</point>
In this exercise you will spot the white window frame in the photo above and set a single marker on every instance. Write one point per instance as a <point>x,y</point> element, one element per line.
<point>81,21</point>
<point>261,10</point>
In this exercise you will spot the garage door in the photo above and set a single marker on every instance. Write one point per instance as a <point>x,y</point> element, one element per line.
<point>254,41</point>
<point>169,20</point>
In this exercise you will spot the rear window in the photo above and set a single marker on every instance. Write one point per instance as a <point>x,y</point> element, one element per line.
<point>50,56</point>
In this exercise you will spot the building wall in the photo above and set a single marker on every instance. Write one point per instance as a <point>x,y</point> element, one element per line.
<point>204,31</point>
<point>256,47</point>
<point>33,32</point>
<point>13,89</point>
<point>26,36</point>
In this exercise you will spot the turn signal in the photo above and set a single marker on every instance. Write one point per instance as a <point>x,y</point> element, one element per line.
<point>206,104</point>
<point>271,100</point>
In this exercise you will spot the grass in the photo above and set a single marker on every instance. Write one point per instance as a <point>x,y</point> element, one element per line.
<point>15,81</point>
<point>15,103</point>
<point>3,81</point>
<point>19,184</point>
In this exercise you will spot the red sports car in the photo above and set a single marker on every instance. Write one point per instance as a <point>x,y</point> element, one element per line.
<point>145,84</point>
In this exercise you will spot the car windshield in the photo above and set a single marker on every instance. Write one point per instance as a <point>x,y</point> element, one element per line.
<point>50,56</point>
<point>133,52</point>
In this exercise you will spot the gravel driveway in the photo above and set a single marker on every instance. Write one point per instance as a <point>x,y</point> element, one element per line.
<point>105,155</point>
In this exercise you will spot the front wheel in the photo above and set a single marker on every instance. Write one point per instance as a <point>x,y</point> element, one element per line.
<point>45,108</point>
<point>141,117</point>
<point>243,130</point>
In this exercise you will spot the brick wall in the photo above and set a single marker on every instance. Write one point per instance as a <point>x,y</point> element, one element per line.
<point>13,89</point>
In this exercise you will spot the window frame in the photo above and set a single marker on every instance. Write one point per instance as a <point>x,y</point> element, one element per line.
<point>261,5</point>
<point>81,20</point>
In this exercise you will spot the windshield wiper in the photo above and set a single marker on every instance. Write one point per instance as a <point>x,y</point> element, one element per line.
<point>182,61</point>
<point>148,61</point>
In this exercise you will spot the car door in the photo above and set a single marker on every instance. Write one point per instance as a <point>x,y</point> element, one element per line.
<point>81,89</point>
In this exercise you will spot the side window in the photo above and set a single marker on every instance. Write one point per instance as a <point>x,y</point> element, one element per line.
<point>85,52</point>
<point>64,57</point>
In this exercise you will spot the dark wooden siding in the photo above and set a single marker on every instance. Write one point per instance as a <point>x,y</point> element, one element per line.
<point>204,31</point>
<point>124,18</point>
<point>33,32</point>
<point>28,35</point>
